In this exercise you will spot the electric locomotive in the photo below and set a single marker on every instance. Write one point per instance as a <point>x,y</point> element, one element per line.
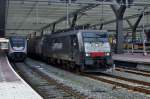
<point>17,48</point>
<point>85,50</point>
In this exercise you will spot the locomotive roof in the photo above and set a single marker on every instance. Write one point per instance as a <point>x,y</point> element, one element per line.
<point>75,32</point>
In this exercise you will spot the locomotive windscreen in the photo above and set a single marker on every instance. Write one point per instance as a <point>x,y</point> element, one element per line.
<point>17,41</point>
<point>96,42</point>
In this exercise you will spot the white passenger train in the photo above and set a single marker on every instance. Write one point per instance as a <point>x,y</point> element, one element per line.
<point>17,48</point>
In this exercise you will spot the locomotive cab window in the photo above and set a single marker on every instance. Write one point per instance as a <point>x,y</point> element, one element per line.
<point>96,42</point>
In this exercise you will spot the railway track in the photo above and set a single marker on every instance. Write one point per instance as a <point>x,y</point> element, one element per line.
<point>127,79</point>
<point>130,84</point>
<point>140,86</point>
<point>94,87</point>
<point>133,71</point>
<point>46,86</point>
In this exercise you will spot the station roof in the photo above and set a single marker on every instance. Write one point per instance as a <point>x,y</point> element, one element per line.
<point>27,16</point>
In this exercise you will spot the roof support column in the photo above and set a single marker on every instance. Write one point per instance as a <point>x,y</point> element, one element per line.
<point>42,33</point>
<point>135,27</point>
<point>101,26</point>
<point>119,36</point>
<point>2,17</point>
<point>119,27</point>
<point>129,23</point>
<point>53,29</point>
<point>74,20</point>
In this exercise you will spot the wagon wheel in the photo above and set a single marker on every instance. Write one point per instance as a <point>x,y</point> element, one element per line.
<point>77,70</point>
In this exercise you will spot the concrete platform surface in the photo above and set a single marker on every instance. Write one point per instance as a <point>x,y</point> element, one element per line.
<point>135,58</point>
<point>12,86</point>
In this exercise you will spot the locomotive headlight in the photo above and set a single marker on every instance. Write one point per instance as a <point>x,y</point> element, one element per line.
<point>87,54</point>
<point>107,54</point>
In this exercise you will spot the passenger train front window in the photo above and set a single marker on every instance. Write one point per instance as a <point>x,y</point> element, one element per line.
<point>17,42</point>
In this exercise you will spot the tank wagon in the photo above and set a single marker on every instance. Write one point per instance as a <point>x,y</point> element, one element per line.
<point>84,50</point>
<point>35,47</point>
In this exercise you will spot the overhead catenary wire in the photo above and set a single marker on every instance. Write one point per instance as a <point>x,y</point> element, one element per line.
<point>37,13</point>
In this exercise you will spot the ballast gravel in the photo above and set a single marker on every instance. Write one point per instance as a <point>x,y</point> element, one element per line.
<point>87,86</point>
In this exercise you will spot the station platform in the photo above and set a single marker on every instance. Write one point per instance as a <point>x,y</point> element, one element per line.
<point>12,86</point>
<point>135,58</point>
